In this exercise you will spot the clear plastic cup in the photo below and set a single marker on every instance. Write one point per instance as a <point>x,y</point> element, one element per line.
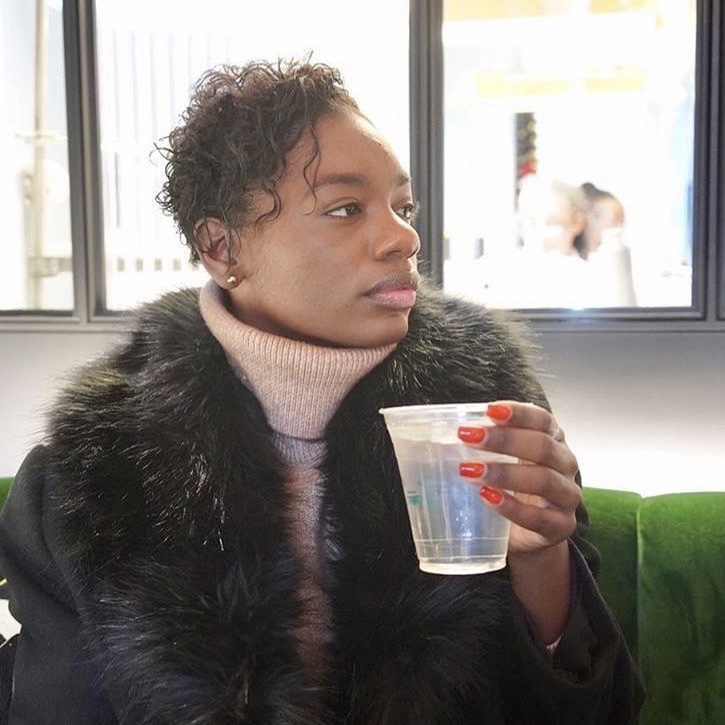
<point>454,531</point>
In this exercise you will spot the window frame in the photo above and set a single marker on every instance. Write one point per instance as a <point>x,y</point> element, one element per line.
<point>707,312</point>
<point>426,58</point>
<point>86,203</point>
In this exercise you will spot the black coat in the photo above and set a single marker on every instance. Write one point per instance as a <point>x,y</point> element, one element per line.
<point>149,557</point>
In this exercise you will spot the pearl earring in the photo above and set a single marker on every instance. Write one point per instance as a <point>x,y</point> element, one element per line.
<point>231,280</point>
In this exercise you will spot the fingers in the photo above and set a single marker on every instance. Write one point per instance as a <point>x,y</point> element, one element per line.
<point>523,415</point>
<point>555,489</point>
<point>552,524</point>
<point>542,496</point>
<point>532,446</point>
<point>536,498</point>
<point>524,431</point>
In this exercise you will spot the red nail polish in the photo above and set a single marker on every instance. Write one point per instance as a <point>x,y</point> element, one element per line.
<point>492,495</point>
<point>471,470</point>
<point>498,412</point>
<point>471,435</point>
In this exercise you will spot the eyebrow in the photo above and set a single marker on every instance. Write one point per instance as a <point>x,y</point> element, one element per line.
<point>351,180</point>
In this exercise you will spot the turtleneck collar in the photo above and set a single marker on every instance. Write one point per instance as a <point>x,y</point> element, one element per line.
<point>298,384</point>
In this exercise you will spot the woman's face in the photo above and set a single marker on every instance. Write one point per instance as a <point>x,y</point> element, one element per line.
<point>549,224</point>
<point>338,265</point>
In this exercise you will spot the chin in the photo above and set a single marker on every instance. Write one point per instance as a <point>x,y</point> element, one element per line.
<point>388,334</point>
<point>366,333</point>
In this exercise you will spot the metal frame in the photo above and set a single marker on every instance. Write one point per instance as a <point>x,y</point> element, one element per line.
<point>84,169</point>
<point>427,162</point>
<point>84,149</point>
<point>426,129</point>
<point>716,266</point>
<point>76,166</point>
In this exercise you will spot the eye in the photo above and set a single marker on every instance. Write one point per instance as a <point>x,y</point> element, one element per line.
<point>346,210</point>
<point>408,211</point>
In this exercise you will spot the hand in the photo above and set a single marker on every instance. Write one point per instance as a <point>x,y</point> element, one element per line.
<point>542,505</point>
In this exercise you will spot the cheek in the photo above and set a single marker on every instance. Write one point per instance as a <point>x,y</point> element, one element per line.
<point>325,275</point>
<point>310,273</point>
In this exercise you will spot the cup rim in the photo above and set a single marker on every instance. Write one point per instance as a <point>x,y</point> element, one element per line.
<point>435,409</point>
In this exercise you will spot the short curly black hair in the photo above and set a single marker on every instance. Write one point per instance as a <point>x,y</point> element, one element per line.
<point>234,136</point>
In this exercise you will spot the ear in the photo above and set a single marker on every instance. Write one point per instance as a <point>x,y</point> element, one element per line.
<point>217,245</point>
<point>212,239</point>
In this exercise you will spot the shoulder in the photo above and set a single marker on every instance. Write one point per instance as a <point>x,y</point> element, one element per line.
<point>450,321</point>
<point>170,328</point>
<point>133,424</point>
<point>165,342</point>
<point>459,345</point>
<point>170,325</point>
<point>166,377</point>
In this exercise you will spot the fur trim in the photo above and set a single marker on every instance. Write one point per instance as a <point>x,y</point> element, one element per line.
<point>177,542</point>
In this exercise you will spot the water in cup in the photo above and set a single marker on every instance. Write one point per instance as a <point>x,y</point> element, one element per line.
<point>454,531</point>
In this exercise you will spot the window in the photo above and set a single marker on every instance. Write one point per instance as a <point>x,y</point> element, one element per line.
<point>36,271</point>
<point>623,94</point>
<point>468,240</point>
<point>145,72</point>
<point>128,82</point>
<point>569,140</point>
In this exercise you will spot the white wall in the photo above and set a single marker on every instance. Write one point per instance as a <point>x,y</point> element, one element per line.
<point>32,368</point>
<point>642,411</point>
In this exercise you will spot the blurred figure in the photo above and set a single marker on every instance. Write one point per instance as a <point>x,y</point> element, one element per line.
<point>547,270</point>
<point>604,248</point>
<point>571,252</point>
<point>604,217</point>
<point>551,215</point>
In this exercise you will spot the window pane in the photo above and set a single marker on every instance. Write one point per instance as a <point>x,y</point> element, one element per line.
<point>569,152</point>
<point>145,73</point>
<point>36,270</point>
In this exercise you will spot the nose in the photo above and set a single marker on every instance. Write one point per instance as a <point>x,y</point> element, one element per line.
<point>396,238</point>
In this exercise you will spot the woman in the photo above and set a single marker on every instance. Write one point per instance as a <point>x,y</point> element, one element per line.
<point>215,532</point>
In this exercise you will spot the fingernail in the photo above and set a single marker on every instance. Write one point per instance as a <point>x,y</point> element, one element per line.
<point>492,495</point>
<point>498,412</point>
<point>471,470</point>
<point>471,435</point>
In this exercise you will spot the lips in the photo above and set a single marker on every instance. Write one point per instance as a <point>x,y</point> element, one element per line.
<point>397,290</point>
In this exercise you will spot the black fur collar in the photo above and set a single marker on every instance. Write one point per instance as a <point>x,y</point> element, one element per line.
<point>175,526</point>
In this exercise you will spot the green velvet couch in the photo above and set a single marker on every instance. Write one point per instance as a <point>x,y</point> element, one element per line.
<point>4,486</point>
<point>663,576</point>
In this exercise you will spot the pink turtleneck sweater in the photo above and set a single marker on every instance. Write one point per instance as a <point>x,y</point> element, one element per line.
<point>299,386</point>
